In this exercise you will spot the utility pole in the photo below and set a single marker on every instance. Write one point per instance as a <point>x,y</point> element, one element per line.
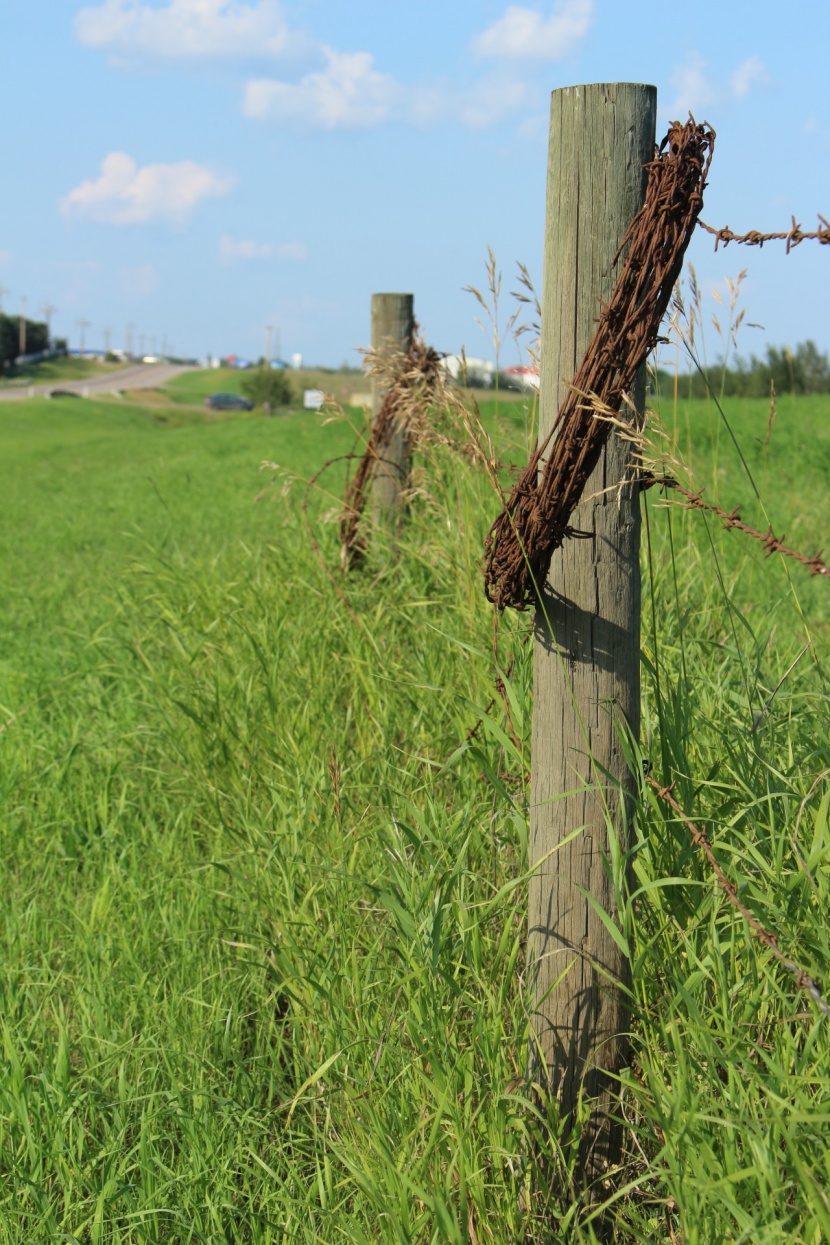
<point>128,341</point>
<point>3,291</point>
<point>141,345</point>
<point>268,331</point>
<point>277,343</point>
<point>22,340</point>
<point>83,325</point>
<point>46,311</point>
<point>107,332</point>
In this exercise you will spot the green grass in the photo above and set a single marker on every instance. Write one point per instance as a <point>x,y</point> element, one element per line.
<point>193,387</point>
<point>262,949</point>
<point>58,369</point>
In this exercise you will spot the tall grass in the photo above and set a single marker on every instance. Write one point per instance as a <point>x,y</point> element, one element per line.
<point>264,845</point>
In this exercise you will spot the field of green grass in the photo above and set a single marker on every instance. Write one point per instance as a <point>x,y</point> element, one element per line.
<point>262,944</point>
<point>56,370</point>
<point>194,387</point>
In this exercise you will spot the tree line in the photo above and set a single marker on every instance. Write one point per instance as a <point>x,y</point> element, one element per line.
<point>37,338</point>
<point>802,370</point>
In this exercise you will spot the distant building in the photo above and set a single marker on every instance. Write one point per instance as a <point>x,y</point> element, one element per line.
<point>522,377</point>
<point>467,371</point>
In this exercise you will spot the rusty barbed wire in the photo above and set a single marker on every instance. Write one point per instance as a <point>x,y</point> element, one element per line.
<point>793,236</point>
<point>535,519</point>
<point>732,520</point>
<point>767,939</point>
<point>416,374</point>
<point>421,398</point>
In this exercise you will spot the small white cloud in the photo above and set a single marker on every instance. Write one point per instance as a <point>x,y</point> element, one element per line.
<point>522,33</point>
<point>485,104</point>
<point>751,72</point>
<point>816,129</point>
<point>125,194</point>
<point>186,29</point>
<point>142,281</point>
<point>349,92</point>
<point>231,250</point>
<point>694,89</point>
<point>428,103</point>
<point>534,129</point>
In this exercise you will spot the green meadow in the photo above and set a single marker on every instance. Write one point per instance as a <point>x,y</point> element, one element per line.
<point>262,970</point>
<point>64,368</point>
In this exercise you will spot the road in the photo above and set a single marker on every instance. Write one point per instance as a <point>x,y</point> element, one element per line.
<point>136,376</point>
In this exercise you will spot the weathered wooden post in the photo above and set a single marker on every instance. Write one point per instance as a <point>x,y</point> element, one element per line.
<point>393,324</point>
<point>587,638</point>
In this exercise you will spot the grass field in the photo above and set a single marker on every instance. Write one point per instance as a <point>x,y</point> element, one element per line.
<point>262,939</point>
<point>58,369</point>
<point>194,387</point>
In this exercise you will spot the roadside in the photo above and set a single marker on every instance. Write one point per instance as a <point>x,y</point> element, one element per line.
<point>116,379</point>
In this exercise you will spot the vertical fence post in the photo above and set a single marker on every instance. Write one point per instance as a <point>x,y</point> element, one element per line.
<point>393,324</point>
<point>587,632</point>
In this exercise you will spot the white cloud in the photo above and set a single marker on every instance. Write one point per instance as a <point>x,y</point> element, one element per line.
<point>534,129</point>
<point>522,33</point>
<point>818,132</point>
<point>349,92</point>
<point>695,91</point>
<point>5,256</point>
<point>486,104</point>
<point>186,29</point>
<point>125,194</point>
<point>231,250</point>
<point>141,281</point>
<point>751,72</point>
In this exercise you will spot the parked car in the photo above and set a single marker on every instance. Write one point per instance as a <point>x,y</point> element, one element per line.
<point>228,402</point>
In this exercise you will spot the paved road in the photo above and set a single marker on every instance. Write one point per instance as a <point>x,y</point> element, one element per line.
<point>136,376</point>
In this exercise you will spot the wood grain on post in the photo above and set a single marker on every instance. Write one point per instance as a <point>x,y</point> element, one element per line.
<point>393,324</point>
<point>587,634</point>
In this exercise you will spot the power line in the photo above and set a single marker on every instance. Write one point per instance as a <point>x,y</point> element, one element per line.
<point>83,325</point>
<point>46,311</point>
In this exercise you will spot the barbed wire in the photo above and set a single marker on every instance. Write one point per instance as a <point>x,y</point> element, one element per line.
<point>793,236</point>
<point>418,370</point>
<point>732,519</point>
<point>767,939</point>
<point>535,519</point>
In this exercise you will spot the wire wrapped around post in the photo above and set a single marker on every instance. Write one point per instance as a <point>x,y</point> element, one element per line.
<point>416,375</point>
<point>535,518</point>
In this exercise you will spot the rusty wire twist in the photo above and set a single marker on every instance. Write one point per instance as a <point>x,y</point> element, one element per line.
<point>416,374</point>
<point>535,519</point>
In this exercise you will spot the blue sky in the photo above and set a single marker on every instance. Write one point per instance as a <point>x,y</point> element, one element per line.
<point>204,168</point>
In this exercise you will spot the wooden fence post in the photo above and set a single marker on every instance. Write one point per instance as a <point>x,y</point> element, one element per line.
<point>587,634</point>
<point>393,324</point>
